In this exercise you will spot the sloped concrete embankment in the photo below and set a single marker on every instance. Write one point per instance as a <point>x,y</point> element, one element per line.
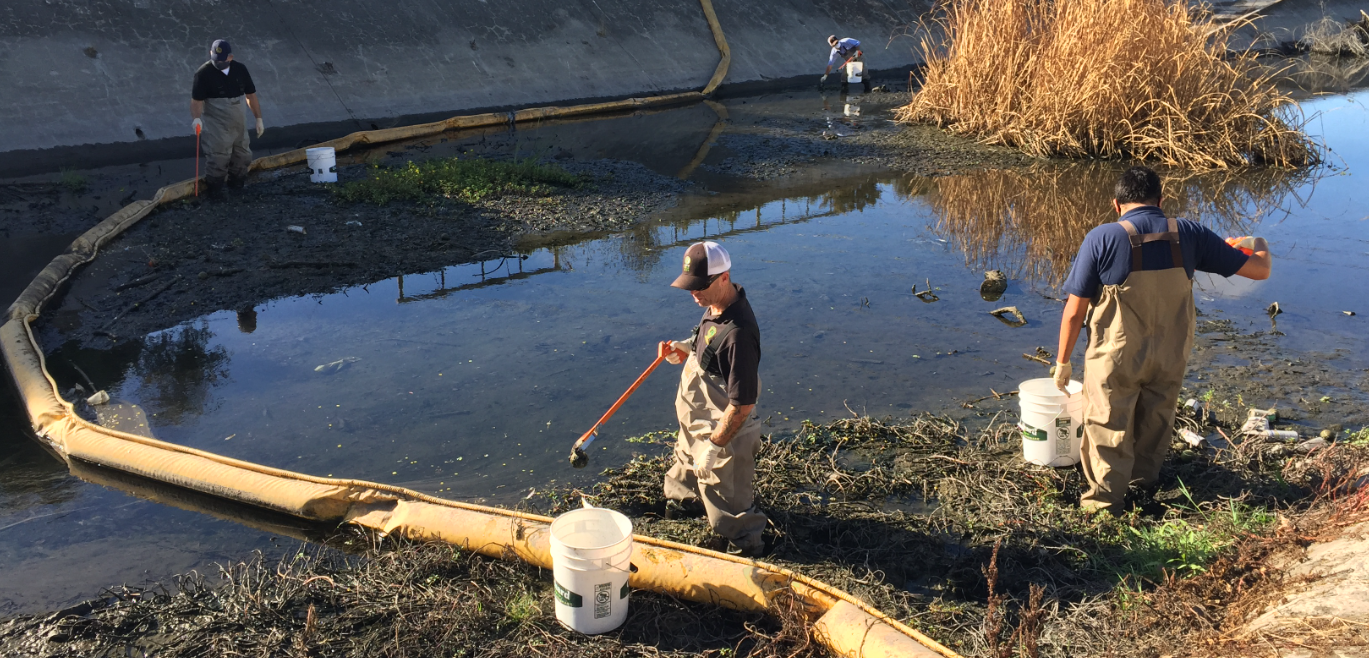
<point>95,81</point>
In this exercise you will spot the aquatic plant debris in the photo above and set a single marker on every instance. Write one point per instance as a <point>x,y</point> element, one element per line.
<point>390,598</point>
<point>904,514</point>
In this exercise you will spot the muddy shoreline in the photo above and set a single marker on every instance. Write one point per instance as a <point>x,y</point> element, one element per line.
<point>194,257</point>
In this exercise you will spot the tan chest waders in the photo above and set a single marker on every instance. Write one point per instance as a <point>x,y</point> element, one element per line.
<point>1140,336</point>
<point>727,496</point>
<point>224,138</point>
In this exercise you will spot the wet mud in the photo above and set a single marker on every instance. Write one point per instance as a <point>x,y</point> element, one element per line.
<point>284,236</point>
<point>197,256</point>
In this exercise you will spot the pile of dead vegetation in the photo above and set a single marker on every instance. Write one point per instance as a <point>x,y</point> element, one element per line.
<point>392,599</point>
<point>1140,79</point>
<point>1329,36</point>
<point>947,529</point>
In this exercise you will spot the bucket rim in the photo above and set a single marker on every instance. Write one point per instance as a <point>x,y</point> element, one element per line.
<point>623,523</point>
<point>1044,387</point>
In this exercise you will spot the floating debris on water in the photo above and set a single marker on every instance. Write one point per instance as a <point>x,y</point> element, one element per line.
<point>994,285</point>
<point>336,365</point>
<point>1010,316</point>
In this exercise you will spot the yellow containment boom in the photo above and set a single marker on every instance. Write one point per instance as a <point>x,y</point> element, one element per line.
<point>844,624</point>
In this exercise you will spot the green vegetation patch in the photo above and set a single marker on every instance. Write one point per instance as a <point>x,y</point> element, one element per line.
<point>468,179</point>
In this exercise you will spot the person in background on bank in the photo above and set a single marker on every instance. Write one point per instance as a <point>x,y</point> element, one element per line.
<point>843,51</point>
<point>715,451</point>
<point>1132,281</point>
<point>217,96</point>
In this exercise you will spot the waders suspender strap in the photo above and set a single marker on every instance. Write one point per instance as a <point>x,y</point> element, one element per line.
<point>711,349</point>
<point>1176,254</point>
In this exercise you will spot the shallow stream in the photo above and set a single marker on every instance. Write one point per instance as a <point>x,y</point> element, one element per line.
<point>473,381</point>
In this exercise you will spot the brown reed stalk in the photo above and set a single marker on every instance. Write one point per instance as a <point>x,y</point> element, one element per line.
<point>1141,79</point>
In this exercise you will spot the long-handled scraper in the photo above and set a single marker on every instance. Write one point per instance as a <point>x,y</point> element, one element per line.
<point>578,457</point>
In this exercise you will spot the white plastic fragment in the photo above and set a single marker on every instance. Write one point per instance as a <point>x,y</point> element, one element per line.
<point>1193,439</point>
<point>336,365</point>
<point>99,398</point>
<point>296,229</point>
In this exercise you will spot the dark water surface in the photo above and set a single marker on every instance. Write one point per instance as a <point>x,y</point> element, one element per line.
<point>474,381</point>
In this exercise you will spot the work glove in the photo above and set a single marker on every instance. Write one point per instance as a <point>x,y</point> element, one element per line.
<point>822,79</point>
<point>675,351</point>
<point>703,465</point>
<point>1061,373</point>
<point>1248,244</point>
<point>261,127</point>
<point>197,125</point>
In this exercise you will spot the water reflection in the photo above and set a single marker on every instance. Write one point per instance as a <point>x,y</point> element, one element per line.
<point>176,370</point>
<point>1318,74</point>
<point>640,247</point>
<point>1029,222</point>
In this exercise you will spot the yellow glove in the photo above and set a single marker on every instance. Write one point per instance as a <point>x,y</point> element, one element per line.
<point>1061,372</point>
<point>261,127</point>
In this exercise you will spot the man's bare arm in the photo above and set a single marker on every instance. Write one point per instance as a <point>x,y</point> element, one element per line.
<point>733,419</point>
<point>254,104</point>
<point>1257,267</point>
<point>1071,321</point>
<point>196,109</point>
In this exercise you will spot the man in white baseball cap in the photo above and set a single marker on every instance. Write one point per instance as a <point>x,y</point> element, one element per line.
<point>715,451</point>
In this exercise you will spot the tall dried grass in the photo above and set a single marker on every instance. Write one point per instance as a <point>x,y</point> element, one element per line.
<point>1141,79</point>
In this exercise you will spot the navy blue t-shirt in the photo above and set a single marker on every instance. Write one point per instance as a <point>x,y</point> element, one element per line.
<point>1105,257</point>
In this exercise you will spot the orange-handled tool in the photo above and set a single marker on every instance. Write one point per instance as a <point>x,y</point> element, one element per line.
<point>578,457</point>
<point>1238,242</point>
<point>197,159</point>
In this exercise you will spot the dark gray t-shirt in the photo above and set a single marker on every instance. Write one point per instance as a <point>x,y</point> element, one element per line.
<point>738,358</point>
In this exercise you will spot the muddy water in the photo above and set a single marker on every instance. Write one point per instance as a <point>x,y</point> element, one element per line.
<point>474,380</point>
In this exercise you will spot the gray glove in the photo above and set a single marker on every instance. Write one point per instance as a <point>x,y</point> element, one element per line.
<point>1061,373</point>
<point>261,127</point>
<point>822,79</point>
<point>704,466</point>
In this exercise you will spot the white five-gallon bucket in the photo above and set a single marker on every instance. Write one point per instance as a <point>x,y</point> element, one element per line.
<point>591,553</point>
<point>1052,422</point>
<point>855,71</point>
<point>322,164</point>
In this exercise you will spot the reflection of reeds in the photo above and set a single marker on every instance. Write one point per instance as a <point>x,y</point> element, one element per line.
<point>1329,36</point>
<point>1029,223</point>
<point>1319,73</point>
<point>1142,79</point>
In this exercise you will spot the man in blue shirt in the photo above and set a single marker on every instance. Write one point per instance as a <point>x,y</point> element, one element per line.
<point>845,51</point>
<point>1133,283</point>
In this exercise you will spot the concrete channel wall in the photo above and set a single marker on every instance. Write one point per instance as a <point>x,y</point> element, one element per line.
<point>78,73</point>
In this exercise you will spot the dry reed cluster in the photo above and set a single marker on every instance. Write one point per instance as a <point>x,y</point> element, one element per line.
<point>1141,79</point>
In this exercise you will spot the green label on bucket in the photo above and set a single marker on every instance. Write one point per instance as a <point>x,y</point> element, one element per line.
<point>1030,433</point>
<point>567,597</point>
<point>1062,422</point>
<point>622,593</point>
